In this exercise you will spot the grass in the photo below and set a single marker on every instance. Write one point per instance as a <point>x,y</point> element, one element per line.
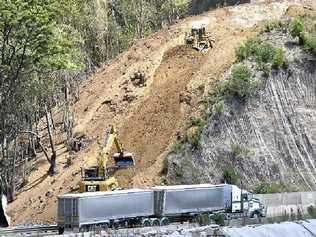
<point>273,25</point>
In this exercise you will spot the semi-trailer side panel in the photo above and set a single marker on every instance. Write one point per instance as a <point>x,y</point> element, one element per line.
<point>99,207</point>
<point>175,200</point>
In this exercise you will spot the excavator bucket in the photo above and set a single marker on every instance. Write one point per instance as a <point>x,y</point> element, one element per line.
<point>124,160</point>
<point>4,218</point>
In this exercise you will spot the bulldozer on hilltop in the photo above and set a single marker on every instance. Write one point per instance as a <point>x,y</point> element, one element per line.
<point>198,38</point>
<point>98,178</point>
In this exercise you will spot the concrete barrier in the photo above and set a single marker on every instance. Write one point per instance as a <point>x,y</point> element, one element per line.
<point>278,204</point>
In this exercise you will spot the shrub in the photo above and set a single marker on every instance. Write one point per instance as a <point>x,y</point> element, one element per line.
<point>240,81</point>
<point>279,58</point>
<point>196,122</point>
<point>309,41</point>
<point>218,218</point>
<point>264,52</point>
<point>195,138</point>
<point>246,50</point>
<point>231,176</point>
<point>273,187</point>
<point>297,28</point>
<point>236,149</point>
<point>219,107</point>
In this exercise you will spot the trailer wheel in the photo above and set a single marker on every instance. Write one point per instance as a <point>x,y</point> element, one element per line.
<point>146,222</point>
<point>164,221</point>
<point>105,226</point>
<point>155,222</point>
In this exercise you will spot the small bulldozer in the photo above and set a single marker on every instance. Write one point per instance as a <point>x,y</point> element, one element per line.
<point>198,38</point>
<point>99,178</point>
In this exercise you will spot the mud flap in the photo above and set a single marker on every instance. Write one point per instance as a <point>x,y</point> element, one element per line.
<point>4,218</point>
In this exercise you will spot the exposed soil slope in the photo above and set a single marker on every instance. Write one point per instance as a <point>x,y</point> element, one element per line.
<point>177,79</point>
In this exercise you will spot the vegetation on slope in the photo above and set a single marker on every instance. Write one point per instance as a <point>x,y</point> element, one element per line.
<point>47,49</point>
<point>256,60</point>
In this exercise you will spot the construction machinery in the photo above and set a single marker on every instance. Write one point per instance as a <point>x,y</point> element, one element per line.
<point>98,178</point>
<point>198,38</point>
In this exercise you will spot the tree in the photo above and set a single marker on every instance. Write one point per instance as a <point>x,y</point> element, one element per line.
<point>33,46</point>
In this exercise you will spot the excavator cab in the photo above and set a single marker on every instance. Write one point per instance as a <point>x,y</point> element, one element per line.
<point>97,178</point>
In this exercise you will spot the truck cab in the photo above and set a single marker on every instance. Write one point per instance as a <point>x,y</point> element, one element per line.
<point>252,206</point>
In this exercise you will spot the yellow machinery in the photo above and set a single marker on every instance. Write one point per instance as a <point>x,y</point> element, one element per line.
<point>97,178</point>
<point>198,38</point>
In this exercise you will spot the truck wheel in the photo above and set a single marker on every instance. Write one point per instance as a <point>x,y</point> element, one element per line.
<point>61,230</point>
<point>164,221</point>
<point>255,215</point>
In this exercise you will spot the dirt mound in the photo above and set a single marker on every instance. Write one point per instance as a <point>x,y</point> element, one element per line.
<point>147,132</point>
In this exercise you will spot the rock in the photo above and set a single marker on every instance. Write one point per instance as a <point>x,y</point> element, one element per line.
<point>185,98</point>
<point>129,98</point>
<point>49,193</point>
<point>107,101</point>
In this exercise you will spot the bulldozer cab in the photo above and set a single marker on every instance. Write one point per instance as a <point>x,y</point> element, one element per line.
<point>198,32</point>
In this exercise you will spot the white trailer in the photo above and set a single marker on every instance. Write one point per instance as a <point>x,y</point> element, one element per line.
<point>103,208</point>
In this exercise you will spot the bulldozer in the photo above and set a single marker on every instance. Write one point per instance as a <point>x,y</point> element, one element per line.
<point>98,178</point>
<point>198,38</point>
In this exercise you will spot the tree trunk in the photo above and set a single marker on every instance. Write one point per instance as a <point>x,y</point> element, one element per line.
<point>52,168</point>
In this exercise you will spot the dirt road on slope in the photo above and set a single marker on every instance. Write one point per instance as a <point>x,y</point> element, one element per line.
<point>147,122</point>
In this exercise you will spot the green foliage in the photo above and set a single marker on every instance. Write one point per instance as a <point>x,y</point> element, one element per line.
<point>263,53</point>
<point>195,138</point>
<point>248,49</point>
<point>238,150</point>
<point>297,27</point>
<point>231,176</point>
<point>278,58</point>
<point>309,41</point>
<point>218,218</point>
<point>219,107</point>
<point>273,187</point>
<point>195,121</point>
<point>240,84</point>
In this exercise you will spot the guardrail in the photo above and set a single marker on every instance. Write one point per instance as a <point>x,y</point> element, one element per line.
<point>37,229</point>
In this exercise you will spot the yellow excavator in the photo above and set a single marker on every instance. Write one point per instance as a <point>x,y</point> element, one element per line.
<point>98,178</point>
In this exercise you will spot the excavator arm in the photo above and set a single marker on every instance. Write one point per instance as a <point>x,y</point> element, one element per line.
<point>121,159</point>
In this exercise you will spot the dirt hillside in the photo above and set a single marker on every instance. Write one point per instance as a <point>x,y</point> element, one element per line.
<point>148,118</point>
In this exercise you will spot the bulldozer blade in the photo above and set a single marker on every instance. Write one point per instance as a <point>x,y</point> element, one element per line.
<point>124,160</point>
<point>4,218</point>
